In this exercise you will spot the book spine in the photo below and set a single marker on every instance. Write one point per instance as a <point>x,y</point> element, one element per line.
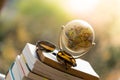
<point>9,75</point>
<point>15,71</point>
<point>29,73</point>
<point>20,68</point>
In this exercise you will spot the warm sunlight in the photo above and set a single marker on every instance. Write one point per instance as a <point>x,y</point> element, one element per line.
<point>30,21</point>
<point>80,6</point>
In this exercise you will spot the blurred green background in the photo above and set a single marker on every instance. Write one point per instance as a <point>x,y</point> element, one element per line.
<point>27,21</point>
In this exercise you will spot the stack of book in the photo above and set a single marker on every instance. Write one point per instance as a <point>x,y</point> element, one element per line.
<point>28,66</point>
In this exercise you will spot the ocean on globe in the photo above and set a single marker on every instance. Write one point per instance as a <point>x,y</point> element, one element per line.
<point>77,37</point>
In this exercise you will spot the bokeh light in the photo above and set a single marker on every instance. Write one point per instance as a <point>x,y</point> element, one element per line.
<point>76,7</point>
<point>23,21</point>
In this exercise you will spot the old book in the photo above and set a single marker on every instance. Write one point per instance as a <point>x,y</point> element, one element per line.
<point>41,68</point>
<point>52,69</point>
<point>83,69</point>
<point>21,70</point>
<point>10,75</point>
<point>15,72</point>
<point>26,74</point>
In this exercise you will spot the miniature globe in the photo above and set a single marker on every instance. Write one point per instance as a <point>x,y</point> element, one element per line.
<point>77,37</point>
